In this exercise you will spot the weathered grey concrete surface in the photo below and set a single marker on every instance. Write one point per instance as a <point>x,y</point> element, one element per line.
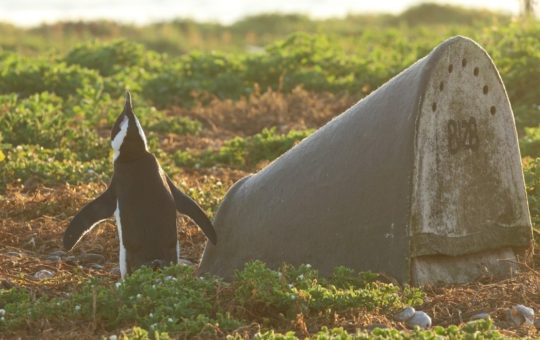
<point>422,176</point>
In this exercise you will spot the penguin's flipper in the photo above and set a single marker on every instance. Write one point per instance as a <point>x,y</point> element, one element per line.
<point>185,205</point>
<point>89,216</point>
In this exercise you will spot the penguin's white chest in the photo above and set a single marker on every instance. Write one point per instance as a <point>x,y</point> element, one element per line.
<point>122,259</point>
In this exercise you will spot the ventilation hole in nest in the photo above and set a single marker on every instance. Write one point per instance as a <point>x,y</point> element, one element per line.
<point>476,71</point>
<point>434,106</point>
<point>450,68</point>
<point>441,86</point>
<point>493,110</point>
<point>486,89</point>
<point>464,62</point>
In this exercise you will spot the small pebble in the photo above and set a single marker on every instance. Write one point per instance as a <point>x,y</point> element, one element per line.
<point>43,274</point>
<point>480,316</point>
<point>91,258</point>
<point>2,312</point>
<point>113,337</point>
<point>420,319</point>
<point>527,312</point>
<point>520,314</point>
<point>185,262</point>
<point>405,314</point>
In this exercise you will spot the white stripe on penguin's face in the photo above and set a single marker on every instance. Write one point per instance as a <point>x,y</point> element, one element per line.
<point>119,138</point>
<point>122,259</point>
<point>141,133</point>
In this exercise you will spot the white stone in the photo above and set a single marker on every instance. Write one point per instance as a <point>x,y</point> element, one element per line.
<point>43,274</point>
<point>405,314</point>
<point>520,314</point>
<point>420,319</point>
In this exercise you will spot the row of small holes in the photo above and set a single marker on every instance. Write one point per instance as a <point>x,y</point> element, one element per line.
<point>476,71</point>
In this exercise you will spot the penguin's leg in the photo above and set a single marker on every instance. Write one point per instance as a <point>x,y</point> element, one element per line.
<point>90,215</point>
<point>185,205</point>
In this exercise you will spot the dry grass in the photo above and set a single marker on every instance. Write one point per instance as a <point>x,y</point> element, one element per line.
<point>298,110</point>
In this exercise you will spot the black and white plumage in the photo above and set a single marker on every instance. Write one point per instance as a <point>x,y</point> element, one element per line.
<point>143,200</point>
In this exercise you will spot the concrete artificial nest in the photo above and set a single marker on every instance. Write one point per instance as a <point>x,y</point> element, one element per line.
<point>420,180</point>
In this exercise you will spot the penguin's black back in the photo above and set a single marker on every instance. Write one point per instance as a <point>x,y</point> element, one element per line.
<point>147,211</point>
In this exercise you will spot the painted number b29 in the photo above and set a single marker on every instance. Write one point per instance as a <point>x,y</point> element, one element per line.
<point>462,134</point>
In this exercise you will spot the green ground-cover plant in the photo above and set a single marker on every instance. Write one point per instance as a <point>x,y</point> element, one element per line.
<point>480,330</point>
<point>531,168</point>
<point>110,58</point>
<point>530,142</point>
<point>25,77</point>
<point>243,152</point>
<point>121,63</point>
<point>473,330</point>
<point>51,166</point>
<point>293,290</point>
<point>41,120</point>
<point>177,83</point>
<point>177,301</point>
<point>173,124</point>
<point>516,52</point>
<point>209,193</point>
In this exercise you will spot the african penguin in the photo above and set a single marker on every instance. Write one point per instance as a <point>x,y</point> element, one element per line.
<point>143,200</point>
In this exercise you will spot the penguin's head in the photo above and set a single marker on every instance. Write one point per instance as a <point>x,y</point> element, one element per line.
<point>127,136</point>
